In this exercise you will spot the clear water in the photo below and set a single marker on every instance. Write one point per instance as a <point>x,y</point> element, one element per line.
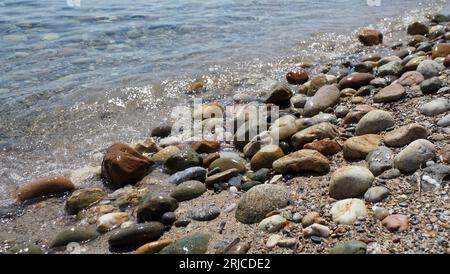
<point>73,79</point>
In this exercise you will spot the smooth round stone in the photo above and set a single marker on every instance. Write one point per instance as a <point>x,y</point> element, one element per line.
<point>161,131</point>
<point>272,224</point>
<point>388,59</point>
<point>279,93</point>
<point>414,156</point>
<point>436,31</point>
<point>440,50</point>
<point>204,213</point>
<point>266,156</point>
<point>414,63</point>
<point>296,217</point>
<point>350,182</point>
<point>417,28</point>
<point>376,194</point>
<point>357,148</point>
<point>356,80</point>
<point>164,154</point>
<point>363,67</point>
<point>311,218</point>
<point>260,200</point>
<point>168,218</point>
<point>182,223</point>
<point>136,235</point>
<point>221,177</point>
<point>153,247</point>
<point>207,111</point>
<point>374,122</point>
<point>431,85</point>
<point>83,198</point>
<point>379,160</point>
<point>297,77</point>
<point>410,78</point>
<point>193,244</point>
<point>47,186</point>
<point>283,127</point>
<point>315,132</point>
<point>183,160</point>
<point>404,135</point>
<point>316,239</point>
<point>227,163</point>
<point>349,247</point>
<point>302,161</point>
<point>380,213</point>
<point>435,107</point>
<point>326,97</point>
<point>391,93</point>
<point>341,111</point>
<point>79,234</point>
<point>390,174</point>
<point>379,82</point>
<point>396,222</point>
<point>445,121</point>
<point>248,185</point>
<point>391,68</point>
<point>374,57</point>
<point>304,123</point>
<point>357,113</point>
<point>317,230</point>
<point>429,68</point>
<point>154,205</point>
<point>446,62</point>
<point>26,249</point>
<point>188,190</point>
<point>111,221</point>
<point>261,175</point>
<point>299,100</point>
<point>347,211</point>
<point>193,173</point>
<point>325,147</point>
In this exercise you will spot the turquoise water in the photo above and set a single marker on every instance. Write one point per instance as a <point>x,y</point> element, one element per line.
<point>74,78</point>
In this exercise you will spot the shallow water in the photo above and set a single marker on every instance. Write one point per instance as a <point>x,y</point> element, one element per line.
<point>75,79</point>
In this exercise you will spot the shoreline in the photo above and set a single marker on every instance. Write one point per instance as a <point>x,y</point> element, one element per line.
<point>308,191</point>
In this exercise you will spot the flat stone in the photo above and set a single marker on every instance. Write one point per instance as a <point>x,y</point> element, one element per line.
<point>391,93</point>
<point>188,190</point>
<point>316,132</point>
<point>302,161</point>
<point>357,148</point>
<point>326,97</point>
<point>349,247</point>
<point>204,213</point>
<point>193,173</point>
<point>396,222</point>
<point>435,107</point>
<point>136,235</point>
<point>347,211</point>
<point>404,135</point>
<point>192,244</point>
<point>80,234</point>
<point>410,78</point>
<point>83,198</point>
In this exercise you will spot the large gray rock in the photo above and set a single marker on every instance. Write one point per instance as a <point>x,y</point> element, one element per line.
<point>374,122</point>
<point>260,200</point>
<point>435,107</point>
<point>350,182</point>
<point>430,68</point>
<point>380,160</point>
<point>414,155</point>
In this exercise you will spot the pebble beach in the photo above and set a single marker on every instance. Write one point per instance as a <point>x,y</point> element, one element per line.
<point>355,161</point>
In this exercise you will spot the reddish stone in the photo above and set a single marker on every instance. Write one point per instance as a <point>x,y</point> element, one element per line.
<point>447,61</point>
<point>370,37</point>
<point>325,147</point>
<point>205,146</point>
<point>297,77</point>
<point>124,165</point>
<point>44,187</point>
<point>444,154</point>
<point>356,80</point>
